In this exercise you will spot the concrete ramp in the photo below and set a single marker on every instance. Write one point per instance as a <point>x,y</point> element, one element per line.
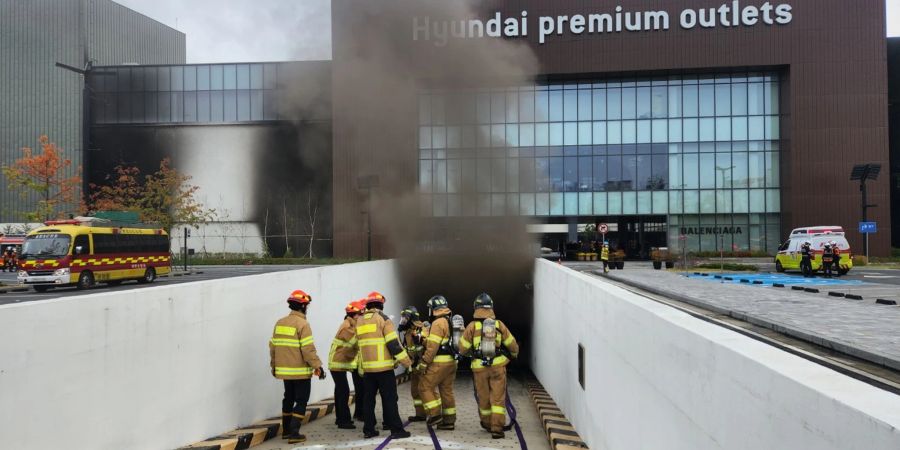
<point>657,378</point>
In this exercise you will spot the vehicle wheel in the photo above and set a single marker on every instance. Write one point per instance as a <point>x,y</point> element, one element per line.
<point>149,276</point>
<point>620,265</point>
<point>86,280</point>
<point>778,267</point>
<point>657,265</point>
<point>669,265</point>
<point>42,288</point>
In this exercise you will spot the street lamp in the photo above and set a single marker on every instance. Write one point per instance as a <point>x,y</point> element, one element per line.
<point>863,173</point>
<point>368,182</point>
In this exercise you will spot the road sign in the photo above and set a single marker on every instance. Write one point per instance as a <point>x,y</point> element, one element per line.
<point>868,227</point>
<point>603,228</point>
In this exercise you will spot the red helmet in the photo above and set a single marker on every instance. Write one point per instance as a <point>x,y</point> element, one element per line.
<point>352,308</point>
<point>375,296</point>
<point>300,297</point>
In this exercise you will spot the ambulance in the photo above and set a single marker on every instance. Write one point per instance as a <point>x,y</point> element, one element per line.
<point>789,257</point>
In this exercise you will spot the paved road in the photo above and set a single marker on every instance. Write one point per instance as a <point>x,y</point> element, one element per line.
<point>209,273</point>
<point>859,328</point>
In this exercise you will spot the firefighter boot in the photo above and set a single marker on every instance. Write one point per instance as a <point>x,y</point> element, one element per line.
<point>295,437</point>
<point>285,425</point>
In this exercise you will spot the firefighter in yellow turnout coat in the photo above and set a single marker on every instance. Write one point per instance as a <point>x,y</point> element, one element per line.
<point>439,367</point>
<point>379,351</point>
<point>489,360</point>
<point>343,359</point>
<point>294,360</point>
<point>414,336</point>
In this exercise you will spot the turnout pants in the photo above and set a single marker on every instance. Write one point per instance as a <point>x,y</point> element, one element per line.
<point>386,384</point>
<point>490,387</point>
<point>296,395</point>
<point>437,391</point>
<point>342,396</point>
<point>415,390</point>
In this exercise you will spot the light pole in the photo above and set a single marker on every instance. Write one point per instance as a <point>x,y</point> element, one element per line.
<point>863,173</point>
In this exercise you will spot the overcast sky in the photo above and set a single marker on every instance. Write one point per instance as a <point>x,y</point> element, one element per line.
<point>275,30</point>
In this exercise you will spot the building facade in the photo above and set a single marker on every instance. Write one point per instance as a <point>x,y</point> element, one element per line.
<point>894,123</point>
<point>707,124</point>
<point>36,97</point>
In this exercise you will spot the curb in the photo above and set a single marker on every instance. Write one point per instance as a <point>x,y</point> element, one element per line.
<point>6,289</point>
<point>559,430</point>
<point>829,343</point>
<point>262,431</point>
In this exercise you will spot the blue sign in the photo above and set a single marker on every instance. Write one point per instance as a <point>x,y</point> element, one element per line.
<point>868,227</point>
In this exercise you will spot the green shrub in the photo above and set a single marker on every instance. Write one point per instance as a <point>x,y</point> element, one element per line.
<point>731,267</point>
<point>860,260</point>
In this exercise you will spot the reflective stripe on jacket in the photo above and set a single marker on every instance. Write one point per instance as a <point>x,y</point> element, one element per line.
<point>471,341</point>
<point>292,351</point>
<point>343,353</point>
<point>378,343</point>
<point>438,337</point>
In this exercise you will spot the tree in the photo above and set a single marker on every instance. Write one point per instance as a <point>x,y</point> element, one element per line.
<point>165,197</point>
<point>44,174</point>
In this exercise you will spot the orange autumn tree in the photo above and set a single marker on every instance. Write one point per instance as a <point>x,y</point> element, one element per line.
<point>44,174</point>
<point>165,197</point>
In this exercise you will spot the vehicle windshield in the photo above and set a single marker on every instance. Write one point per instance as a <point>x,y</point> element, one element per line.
<point>48,245</point>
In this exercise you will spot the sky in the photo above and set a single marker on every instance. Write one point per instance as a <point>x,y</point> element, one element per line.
<point>275,30</point>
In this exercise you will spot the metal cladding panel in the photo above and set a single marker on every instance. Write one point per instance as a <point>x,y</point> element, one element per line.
<point>894,124</point>
<point>833,55</point>
<point>38,98</point>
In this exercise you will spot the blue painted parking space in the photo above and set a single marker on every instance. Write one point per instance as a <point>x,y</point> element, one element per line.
<point>768,279</point>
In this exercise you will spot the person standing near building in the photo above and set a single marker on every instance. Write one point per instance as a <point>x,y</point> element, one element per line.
<point>294,360</point>
<point>379,352</point>
<point>827,259</point>
<point>806,259</point>
<point>837,258</point>
<point>414,335</point>
<point>343,360</point>
<point>439,368</point>
<point>604,256</point>
<point>491,345</point>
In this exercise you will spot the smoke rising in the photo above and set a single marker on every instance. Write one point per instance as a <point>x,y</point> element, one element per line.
<point>380,71</point>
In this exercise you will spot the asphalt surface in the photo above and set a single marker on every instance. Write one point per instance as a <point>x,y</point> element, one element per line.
<point>208,273</point>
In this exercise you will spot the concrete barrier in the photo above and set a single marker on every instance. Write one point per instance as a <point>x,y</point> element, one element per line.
<point>162,366</point>
<point>656,378</point>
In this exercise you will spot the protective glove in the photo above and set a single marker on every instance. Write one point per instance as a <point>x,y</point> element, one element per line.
<point>421,367</point>
<point>319,373</point>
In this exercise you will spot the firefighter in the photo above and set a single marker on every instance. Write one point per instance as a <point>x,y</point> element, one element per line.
<point>837,258</point>
<point>15,261</point>
<point>439,368</point>
<point>294,360</point>
<point>342,359</point>
<point>414,335</point>
<point>806,259</point>
<point>491,345</point>
<point>379,352</point>
<point>827,259</point>
<point>604,256</point>
<point>7,259</point>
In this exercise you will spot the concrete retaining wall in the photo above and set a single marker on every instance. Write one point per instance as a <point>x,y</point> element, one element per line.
<point>657,378</point>
<point>163,366</point>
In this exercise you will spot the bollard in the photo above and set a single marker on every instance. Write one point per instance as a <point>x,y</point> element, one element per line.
<point>882,301</point>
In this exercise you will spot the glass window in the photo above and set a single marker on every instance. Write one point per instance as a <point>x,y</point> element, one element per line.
<point>202,78</point>
<point>216,77</point>
<point>756,129</point>
<point>599,133</point>
<point>541,106</point>
<point>773,128</point>
<point>526,135</point>
<point>773,172</point>
<point>707,130</point>
<point>675,202</point>
<point>723,129</point>
<point>739,99</point>
<point>541,134</point>
<point>614,104</point>
<point>484,175</point>
<point>629,203</point>
<point>661,131</point>
<point>426,176</point>
<point>570,181</point>
<point>643,103</point>
<point>498,107</point>
<point>757,201</point>
<point>629,103</point>
<point>498,175</point>
<point>556,106</point>
<point>644,203</point>
<point>203,107</point>
<point>190,78</point>
<point>542,174</point>
<point>644,134</point>
<point>556,204</point>
<point>691,202</point>
<point>691,101</point>
<point>164,79</point>
<point>217,106</point>
<point>526,108</point>
<point>674,101</point>
<point>599,173</point>
<point>707,100</point>
<point>556,134</point>
<point>707,170</point>
<point>723,100</point>
<point>614,203</point>
<point>740,201</point>
<point>755,99</point>
<point>270,76</point>
<point>230,74</point>
<point>739,169</point>
<point>190,107</point>
<point>230,102</point>
<point>599,203</point>
<point>243,76</point>
<point>599,104</point>
<point>585,105</point>
<point>771,93</point>
<point>584,133</point>
<point>659,106</point>
<point>773,201</point>
<point>256,105</point>
<point>440,177</point>
<point>691,130</point>
<point>512,107</point>
<point>526,204</point>
<point>542,204</point>
<point>256,76</point>
<point>708,202</point>
<point>164,107</point>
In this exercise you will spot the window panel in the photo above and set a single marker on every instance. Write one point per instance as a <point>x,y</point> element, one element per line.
<point>756,104</point>
<point>542,106</point>
<point>629,203</point>
<point>707,202</point>
<point>675,202</point>
<point>556,134</point>
<point>691,202</point>
<point>707,130</point>
<point>498,107</point>
<point>203,78</point>
<point>644,132</point>
<point>484,175</point>
<point>723,202</point>
<point>773,201</point>
<point>674,101</point>
<point>270,72</point>
<point>629,132</point>
<point>585,105</point>
<point>230,74</point>
<point>773,128</point>
<point>190,107</point>
<point>723,100</point>
<point>542,204</point>
<point>542,174</point>
<point>584,133</point>
<point>691,171</point>
<point>243,76</point>
<point>570,106</point>
<point>426,176</point>
<point>526,204</point>
<point>643,103</point>
<point>599,133</point>
<point>556,106</point>
<point>723,129</point>
<point>164,79</point>
<point>599,104</point>
<point>771,94</point>
<point>614,203</point>
<point>217,106</point>
<point>570,133</point>
<point>498,175</point>
<point>707,100</point>
<point>216,78</point>
<point>571,203</point>
<point>541,134</point>
<point>512,107</point>
<point>629,103</point>
<point>256,105</point>
<point>190,78</point>
<point>757,201</point>
<point>707,170</point>
<point>691,130</point>
<point>599,203</point>
<point>556,204</point>
<point>739,99</point>
<point>256,76</point>
<point>659,106</point>
<point>644,202</point>
<point>526,107</point>
<point>230,102</point>
<point>773,172</point>
<point>425,137</point>
<point>614,104</point>
<point>660,202</point>
<point>526,135</point>
<point>454,176</point>
<point>741,201</point>
<point>756,129</point>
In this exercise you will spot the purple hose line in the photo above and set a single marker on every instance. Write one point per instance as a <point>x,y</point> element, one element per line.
<point>386,441</point>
